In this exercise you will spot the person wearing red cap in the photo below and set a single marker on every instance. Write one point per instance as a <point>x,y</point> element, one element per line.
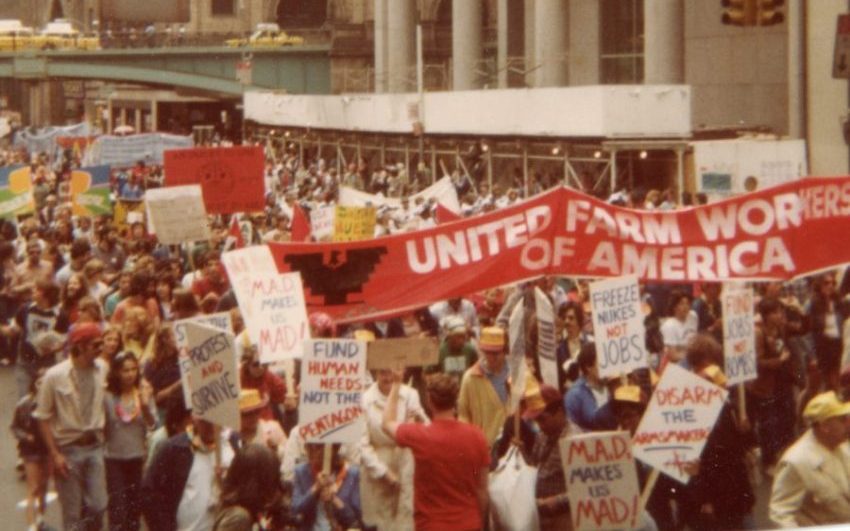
<point>71,418</point>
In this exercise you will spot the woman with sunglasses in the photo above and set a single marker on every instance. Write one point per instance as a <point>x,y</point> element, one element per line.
<point>129,416</point>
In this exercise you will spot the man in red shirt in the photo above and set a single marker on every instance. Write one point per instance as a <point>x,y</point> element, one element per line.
<point>452,460</point>
<point>256,375</point>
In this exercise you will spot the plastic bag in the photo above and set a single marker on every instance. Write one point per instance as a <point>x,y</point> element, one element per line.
<point>512,486</point>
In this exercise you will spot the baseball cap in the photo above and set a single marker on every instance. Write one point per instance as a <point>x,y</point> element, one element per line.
<point>84,332</point>
<point>825,406</point>
<point>492,338</point>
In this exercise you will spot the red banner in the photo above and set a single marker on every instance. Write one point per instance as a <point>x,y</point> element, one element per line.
<point>231,177</point>
<point>777,233</point>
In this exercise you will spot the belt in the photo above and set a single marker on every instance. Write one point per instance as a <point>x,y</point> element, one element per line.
<point>88,439</point>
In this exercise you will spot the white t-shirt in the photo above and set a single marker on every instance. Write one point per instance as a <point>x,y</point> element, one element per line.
<point>677,333</point>
<point>196,511</point>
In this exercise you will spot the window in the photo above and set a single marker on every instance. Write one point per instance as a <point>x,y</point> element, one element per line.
<point>223,7</point>
<point>621,57</point>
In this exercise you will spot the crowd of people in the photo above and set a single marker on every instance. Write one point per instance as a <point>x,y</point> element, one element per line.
<point>89,306</point>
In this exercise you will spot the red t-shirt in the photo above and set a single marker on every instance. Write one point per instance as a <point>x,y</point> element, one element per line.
<point>451,457</point>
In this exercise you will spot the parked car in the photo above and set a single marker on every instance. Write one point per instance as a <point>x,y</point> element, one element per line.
<point>15,36</point>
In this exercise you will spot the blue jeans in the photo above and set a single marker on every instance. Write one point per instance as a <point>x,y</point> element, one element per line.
<point>124,481</point>
<point>82,492</point>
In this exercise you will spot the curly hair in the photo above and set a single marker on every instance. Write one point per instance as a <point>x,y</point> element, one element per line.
<point>252,481</point>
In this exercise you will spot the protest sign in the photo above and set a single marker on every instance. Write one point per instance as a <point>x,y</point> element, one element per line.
<point>322,222</point>
<point>126,212</point>
<point>209,368</point>
<point>176,214</point>
<point>231,177</point>
<point>546,342</point>
<point>739,335</point>
<point>278,318</point>
<point>352,224</point>
<point>399,353</point>
<point>442,192</point>
<point>333,373</point>
<point>602,482</point>
<point>516,354</point>
<point>90,193</point>
<point>125,151</point>
<point>241,265</point>
<point>618,326</point>
<point>15,192</point>
<point>221,321</point>
<point>761,235</point>
<point>678,421</point>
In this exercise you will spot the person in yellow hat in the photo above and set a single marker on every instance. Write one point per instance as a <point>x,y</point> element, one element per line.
<point>812,482</point>
<point>485,387</point>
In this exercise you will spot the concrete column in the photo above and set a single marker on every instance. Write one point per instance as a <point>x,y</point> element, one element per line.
<point>584,39</point>
<point>381,45</point>
<point>550,43</point>
<point>796,69</point>
<point>501,42</point>
<point>154,116</point>
<point>401,44</point>
<point>530,56</point>
<point>110,119</point>
<point>123,115</point>
<point>466,43</point>
<point>137,119</point>
<point>663,42</point>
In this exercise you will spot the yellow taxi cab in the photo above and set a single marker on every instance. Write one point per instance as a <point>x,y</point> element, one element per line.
<point>267,35</point>
<point>14,36</point>
<point>61,35</point>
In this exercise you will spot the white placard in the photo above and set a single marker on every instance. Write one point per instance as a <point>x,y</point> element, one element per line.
<point>618,326</point>
<point>678,421</point>
<point>739,335</point>
<point>278,324</point>
<point>221,321</point>
<point>547,344</point>
<point>241,266</point>
<point>602,482</point>
<point>177,214</point>
<point>322,221</point>
<point>333,376</point>
<point>212,374</point>
<point>516,354</point>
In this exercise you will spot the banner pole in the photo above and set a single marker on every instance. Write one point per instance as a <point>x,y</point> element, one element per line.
<point>742,403</point>
<point>647,489</point>
<point>326,458</point>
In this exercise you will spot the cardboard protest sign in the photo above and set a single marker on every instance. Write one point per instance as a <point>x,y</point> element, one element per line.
<point>221,321</point>
<point>322,222</point>
<point>177,214</point>
<point>547,344</point>
<point>739,335</point>
<point>618,326</point>
<point>516,354</point>
<point>16,191</point>
<point>278,318</point>
<point>209,368</point>
<point>241,265</point>
<point>353,224</point>
<point>402,352</point>
<point>90,193</point>
<point>678,421</point>
<point>333,373</point>
<point>602,482</point>
<point>231,177</point>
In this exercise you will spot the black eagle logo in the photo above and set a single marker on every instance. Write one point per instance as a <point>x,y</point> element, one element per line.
<point>346,272</point>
